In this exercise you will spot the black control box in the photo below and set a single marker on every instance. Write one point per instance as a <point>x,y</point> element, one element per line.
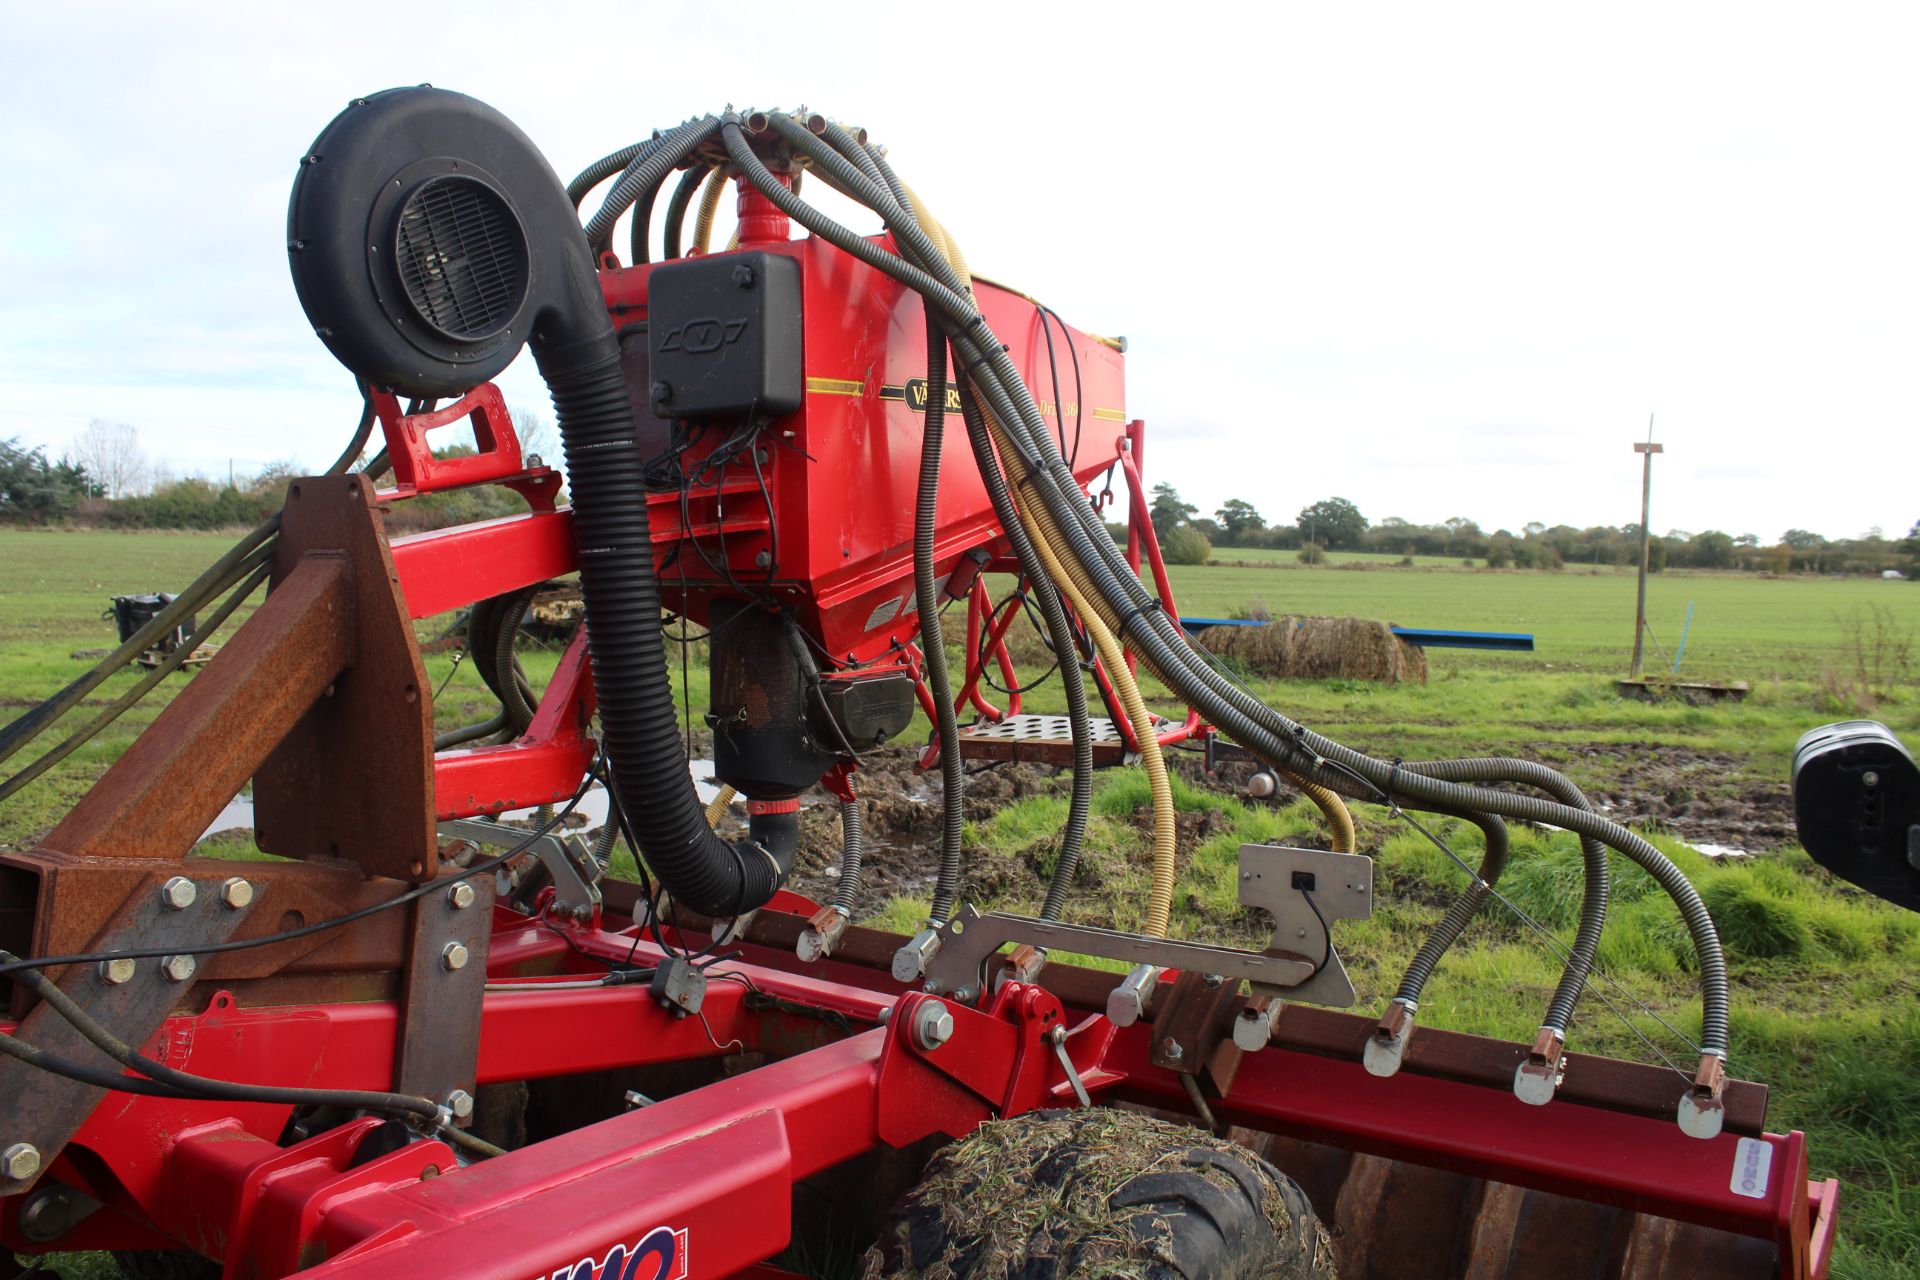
<point>723,337</point>
<point>1856,803</point>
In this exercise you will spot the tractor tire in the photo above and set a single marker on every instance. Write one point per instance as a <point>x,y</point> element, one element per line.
<point>1083,1195</point>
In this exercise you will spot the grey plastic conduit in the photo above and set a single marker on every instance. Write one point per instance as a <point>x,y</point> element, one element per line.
<point>1493,861</point>
<point>1598,877</point>
<point>852,850</point>
<point>1053,612</point>
<point>1269,733</point>
<point>926,594</point>
<point>645,174</point>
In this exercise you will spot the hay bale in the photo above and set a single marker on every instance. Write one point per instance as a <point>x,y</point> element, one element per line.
<point>1306,648</point>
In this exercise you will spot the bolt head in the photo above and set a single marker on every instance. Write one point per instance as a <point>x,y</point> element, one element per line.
<point>461,896</point>
<point>1171,1048</point>
<point>1212,981</point>
<point>460,1102</point>
<point>932,1025</point>
<point>1870,778</point>
<point>178,968</point>
<point>20,1161</point>
<point>41,1215</point>
<point>236,893</point>
<point>454,956</point>
<point>116,971</point>
<point>178,893</point>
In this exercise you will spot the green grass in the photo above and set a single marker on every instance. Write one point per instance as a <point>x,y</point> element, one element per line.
<point>1826,983</point>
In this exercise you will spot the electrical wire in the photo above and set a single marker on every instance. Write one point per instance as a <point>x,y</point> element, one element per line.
<point>19,965</point>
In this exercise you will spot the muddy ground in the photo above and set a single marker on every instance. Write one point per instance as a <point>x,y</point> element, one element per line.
<point>1702,797</point>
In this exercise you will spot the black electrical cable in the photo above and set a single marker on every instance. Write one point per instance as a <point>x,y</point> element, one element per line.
<point>85,1073</point>
<point>230,568</point>
<point>985,650</point>
<point>230,1091</point>
<point>1053,370</point>
<point>17,964</point>
<point>1079,388</point>
<point>1326,934</point>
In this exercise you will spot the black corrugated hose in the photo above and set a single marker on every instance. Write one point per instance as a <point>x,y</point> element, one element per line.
<point>648,771</point>
<point>926,594</point>
<point>1171,654</point>
<point>1493,861</point>
<point>852,851</point>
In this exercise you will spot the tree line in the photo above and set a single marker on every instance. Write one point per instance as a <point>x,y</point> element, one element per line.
<point>104,480</point>
<point>1337,524</point>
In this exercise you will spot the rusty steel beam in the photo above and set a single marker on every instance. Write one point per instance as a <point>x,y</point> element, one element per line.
<point>157,799</point>
<point>353,778</point>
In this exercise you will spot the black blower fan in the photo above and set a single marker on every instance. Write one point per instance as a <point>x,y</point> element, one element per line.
<point>428,237</point>
<point>430,240</point>
<point>1856,802</point>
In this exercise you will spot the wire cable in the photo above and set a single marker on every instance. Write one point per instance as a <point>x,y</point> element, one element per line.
<point>19,965</point>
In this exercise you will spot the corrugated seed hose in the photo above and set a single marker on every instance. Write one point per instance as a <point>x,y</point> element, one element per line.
<point>1165,831</point>
<point>1170,654</point>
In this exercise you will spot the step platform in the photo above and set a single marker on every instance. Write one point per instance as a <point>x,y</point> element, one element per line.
<point>1044,740</point>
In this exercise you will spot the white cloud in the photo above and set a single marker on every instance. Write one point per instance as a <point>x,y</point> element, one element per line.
<point>1441,259</point>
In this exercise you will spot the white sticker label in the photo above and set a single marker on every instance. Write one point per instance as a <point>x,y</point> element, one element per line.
<point>1752,1163</point>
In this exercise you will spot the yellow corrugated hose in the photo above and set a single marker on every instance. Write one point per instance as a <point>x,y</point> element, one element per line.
<point>709,206</point>
<point>1045,535</point>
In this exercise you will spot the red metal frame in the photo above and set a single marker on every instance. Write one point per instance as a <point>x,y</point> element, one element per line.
<point>701,1184</point>
<point>718,1164</point>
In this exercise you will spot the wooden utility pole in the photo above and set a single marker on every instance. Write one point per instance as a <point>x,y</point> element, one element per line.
<point>1647,451</point>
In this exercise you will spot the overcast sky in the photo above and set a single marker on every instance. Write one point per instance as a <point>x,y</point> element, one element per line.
<point>1439,259</point>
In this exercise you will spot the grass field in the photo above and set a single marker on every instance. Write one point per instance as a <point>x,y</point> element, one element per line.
<point>1825,982</point>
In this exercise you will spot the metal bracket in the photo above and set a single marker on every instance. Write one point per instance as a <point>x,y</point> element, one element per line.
<point>971,938</point>
<point>444,983</point>
<point>568,860</point>
<point>1343,890</point>
<point>130,999</point>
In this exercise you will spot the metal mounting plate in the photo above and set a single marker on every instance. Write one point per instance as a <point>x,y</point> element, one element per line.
<point>1344,891</point>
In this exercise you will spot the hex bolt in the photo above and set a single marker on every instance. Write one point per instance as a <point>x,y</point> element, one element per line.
<point>932,1025</point>
<point>460,1102</point>
<point>236,893</point>
<point>454,956</point>
<point>178,893</point>
<point>178,968</point>
<point>461,896</point>
<point>118,970</point>
<point>1172,1050</point>
<point>1213,981</point>
<point>20,1161</point>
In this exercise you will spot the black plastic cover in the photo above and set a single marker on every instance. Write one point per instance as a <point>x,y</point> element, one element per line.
<point>723,337</point>
<point>870,709</point>
<point>1856,803</point>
